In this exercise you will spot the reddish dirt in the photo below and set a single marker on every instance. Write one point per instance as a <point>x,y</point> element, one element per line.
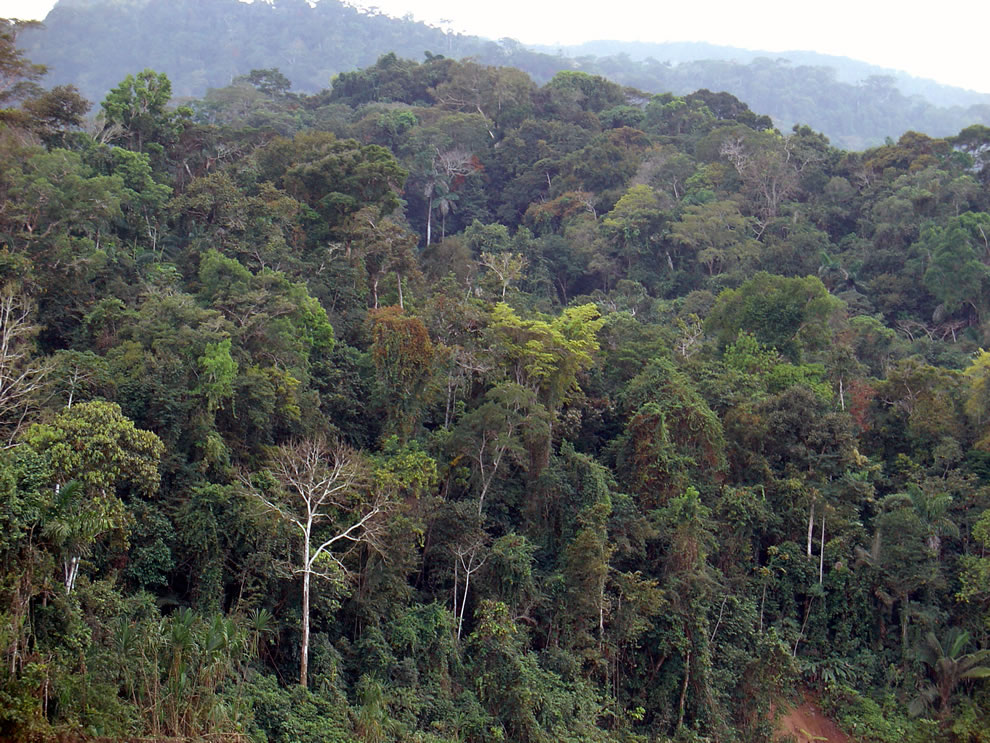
<point>807,724</point>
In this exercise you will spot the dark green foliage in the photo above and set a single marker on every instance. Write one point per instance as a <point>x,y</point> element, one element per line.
<point>577,469</point>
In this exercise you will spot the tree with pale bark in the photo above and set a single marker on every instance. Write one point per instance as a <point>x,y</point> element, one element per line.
<point>320,489</point>
<point>22,377</point>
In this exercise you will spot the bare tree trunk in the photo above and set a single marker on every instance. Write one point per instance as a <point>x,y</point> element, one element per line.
<point>71,570</point>
<point>807,613</point>
<point>811,526</point>
<point>468,567</point>
<point>456,584</point>
<point>722,609</point>
<point>460,619</point>
<point>821,555</point>
<point>429,220</point>
<point>304,650</point>
<point>398,280</point>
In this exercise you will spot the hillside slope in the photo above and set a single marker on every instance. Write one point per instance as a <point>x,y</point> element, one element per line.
<point>202,44</point>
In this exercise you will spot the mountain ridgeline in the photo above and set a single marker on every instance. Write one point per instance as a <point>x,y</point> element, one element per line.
<point>202,44</point>
<point>449,406</point>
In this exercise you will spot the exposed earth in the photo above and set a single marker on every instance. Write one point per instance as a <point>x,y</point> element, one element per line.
<point>806,723</point>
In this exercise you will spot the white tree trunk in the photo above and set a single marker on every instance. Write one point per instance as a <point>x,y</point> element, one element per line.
<point>460,619</point>
<point>811,526</point>
<point>304,650</point>
<point>821,554</point>
<point>71,571</point>
<point>429,220</point>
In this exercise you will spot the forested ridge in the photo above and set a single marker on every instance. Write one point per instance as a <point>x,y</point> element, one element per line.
<point>202,44</point>
<point>446,406</point>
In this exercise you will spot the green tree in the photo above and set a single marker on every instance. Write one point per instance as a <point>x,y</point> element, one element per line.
<point>718,234</point>
<point>948,666</point>
<point>672,438</point>
<point>405,360</point>
<point>792,315</point>
<point>18,76</point>
<point>637,226</point>
<point>768,165</point>
<point>974,570</point>
<point>93,451</point>
<point>218,373</point>
<point>137,110</point>
<point>958,257</point>
<point>504,428</point>
<point>336,178</point>
<point>547,355</point>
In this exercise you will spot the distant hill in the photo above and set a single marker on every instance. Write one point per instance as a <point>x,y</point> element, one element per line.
<point>847,70</point>
<point>204,44</point>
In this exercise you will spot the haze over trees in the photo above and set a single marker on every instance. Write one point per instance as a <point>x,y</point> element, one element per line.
<point>203,44</point>
<point>447,404</point>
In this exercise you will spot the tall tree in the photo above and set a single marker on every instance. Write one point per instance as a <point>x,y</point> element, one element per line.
<point>319,490</point>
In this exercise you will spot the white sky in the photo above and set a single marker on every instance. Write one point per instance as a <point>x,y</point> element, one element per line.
<point>944,41</point>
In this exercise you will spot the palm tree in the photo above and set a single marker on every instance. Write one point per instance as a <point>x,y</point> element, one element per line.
<point>74,526</point>
<point>948,666</point>
<point>933,510</point>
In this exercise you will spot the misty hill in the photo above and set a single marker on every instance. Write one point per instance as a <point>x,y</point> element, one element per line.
<point>204,44</point>
<point>847,70</point>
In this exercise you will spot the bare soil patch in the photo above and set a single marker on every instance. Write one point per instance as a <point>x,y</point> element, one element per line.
<point>806,723</point>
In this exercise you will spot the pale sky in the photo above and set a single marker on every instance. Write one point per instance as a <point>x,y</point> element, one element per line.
<point>943,41</point>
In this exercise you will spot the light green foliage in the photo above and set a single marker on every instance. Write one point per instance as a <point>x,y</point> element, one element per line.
<point>406,471</point>
<point>275,319</point>
<point>94,444</point>
<point>811,376</point>
<point>881,721</point>
<point>747,354</point>
<point>218,373</point>
<point>547,355</point>
<point>636,226</point>
<point>487,238</point>
<point>143,192</point>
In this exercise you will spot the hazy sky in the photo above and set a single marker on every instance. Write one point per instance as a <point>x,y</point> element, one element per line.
<point>943,41</point>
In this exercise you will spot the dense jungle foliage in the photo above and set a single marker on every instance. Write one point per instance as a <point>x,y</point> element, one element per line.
<point>442,406</point>
<point>201,44</point>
